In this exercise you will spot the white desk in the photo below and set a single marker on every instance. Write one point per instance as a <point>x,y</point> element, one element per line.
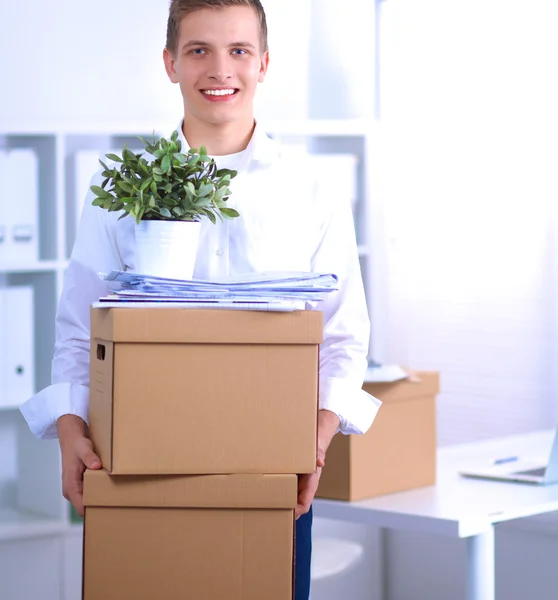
<point>460,507</point>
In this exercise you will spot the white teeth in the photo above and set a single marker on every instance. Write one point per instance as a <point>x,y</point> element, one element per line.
<point>218,92</point>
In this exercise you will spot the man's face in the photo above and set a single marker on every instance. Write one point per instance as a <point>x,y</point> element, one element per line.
<point>218,63</point>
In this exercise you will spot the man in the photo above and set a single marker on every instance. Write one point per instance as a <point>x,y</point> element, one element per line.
<point>217,52</point>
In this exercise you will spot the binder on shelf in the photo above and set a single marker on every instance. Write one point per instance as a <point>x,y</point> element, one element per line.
<point>3,206</point>
<point>86,164</point>
<point>19,213</point>
<point>16,345</point>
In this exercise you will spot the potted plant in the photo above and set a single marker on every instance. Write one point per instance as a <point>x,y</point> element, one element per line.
<point>168,194</point>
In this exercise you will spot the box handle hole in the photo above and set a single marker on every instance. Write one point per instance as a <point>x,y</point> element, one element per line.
<point>101,350</point>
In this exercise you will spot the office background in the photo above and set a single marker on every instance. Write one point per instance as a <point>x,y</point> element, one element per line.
<point>462,99</point>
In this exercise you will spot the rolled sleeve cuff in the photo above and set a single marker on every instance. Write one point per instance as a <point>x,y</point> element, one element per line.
<point>355,408</point>
<point>43,410</point>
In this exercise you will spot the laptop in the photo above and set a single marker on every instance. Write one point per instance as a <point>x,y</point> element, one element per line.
<point>520,470</point>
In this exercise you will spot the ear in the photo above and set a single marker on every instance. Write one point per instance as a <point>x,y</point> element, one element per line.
<point>263,66</point>
<point>170,61</point>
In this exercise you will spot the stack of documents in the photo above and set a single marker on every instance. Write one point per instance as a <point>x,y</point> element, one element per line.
<point>275,291</point>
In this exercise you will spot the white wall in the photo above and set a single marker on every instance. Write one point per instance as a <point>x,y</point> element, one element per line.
<point>469,184</point>
<point>469,160</point>
<point>93,63</point>
<point>100,64</point>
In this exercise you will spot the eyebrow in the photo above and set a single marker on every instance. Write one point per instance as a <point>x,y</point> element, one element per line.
<point>202,43</point>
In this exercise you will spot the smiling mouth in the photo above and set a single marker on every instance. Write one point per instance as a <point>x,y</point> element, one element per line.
<point>225,92</point>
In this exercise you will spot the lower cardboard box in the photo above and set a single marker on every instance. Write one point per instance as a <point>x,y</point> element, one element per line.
<point>397,453</point>
<point>210,537</point>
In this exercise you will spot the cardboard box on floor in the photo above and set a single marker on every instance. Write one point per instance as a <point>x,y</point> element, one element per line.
<point>397,453</point>
<point>194,536</point>
<point>177,391</point>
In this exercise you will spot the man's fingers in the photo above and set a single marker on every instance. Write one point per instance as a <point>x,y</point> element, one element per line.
<point>77,502</point>
<point>87,456</point>
<point>73,489</point>
<point>75,496</point>
<point>320,462</point>
<point>301,509</point>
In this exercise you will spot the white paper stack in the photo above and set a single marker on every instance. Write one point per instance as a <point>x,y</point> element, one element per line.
<point>277,291</point>
<point>19,179</point>
<point>16,345</point>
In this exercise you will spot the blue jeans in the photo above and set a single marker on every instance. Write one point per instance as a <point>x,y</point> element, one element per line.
<point>303,554</point>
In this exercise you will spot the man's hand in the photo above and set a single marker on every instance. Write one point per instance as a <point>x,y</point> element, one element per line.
<point>77,455</point>
<point>328,423</point>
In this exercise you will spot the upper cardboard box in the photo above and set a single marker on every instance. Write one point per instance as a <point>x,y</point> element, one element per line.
<point>183,326</point>
<point>177,391</point>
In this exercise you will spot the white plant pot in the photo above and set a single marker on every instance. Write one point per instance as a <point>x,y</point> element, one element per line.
<point>167,248</point>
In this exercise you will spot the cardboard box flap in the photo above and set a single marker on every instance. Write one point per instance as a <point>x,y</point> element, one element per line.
<point>422,384</point>
<point>212,326</point>
<point>190,491</point>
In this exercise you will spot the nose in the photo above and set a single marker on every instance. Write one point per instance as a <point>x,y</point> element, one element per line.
<point>219,68</point>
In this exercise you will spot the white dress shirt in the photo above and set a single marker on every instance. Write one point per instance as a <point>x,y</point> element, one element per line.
<point>284,225</point>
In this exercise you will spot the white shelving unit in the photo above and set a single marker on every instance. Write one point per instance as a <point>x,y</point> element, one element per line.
<point>33,515</point>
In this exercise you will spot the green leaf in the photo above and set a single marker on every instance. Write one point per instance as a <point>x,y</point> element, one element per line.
<point>229,213</point>
<point>99,191</point>
<point>145,184</point>
<point>129,157</point>
<point>180,158</point>
<point>114,158</point>
<point>211,216</point>
<point>205,189</point>
<point>166,163</point>
<point>165,212</point>
<point>125,187</point>
<point>203,201</point>
<point>222,172</point>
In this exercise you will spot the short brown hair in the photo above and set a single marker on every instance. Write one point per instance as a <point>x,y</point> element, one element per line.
<point>180,8</point>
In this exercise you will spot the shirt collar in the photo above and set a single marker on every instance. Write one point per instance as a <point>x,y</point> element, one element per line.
<point>262,148</point>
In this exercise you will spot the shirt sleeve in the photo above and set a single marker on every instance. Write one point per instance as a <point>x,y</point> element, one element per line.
<point>95,251</point>
<point>343,353</point>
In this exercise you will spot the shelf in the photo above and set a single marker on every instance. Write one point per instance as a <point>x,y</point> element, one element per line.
<point>40,266</point>
<point>323,127</point>
<point>15,524</point>
<point>90,129</point>
<point>317,127</point>
<point>9,408</point>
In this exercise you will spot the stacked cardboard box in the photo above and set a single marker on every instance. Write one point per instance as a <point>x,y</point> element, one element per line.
<point>398,452</point>
<point>202,419</point>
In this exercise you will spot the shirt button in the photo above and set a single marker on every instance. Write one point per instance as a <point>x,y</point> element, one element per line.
<point>219,252</point>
